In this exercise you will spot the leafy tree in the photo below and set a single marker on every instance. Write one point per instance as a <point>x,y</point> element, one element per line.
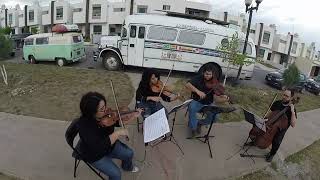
<point>6,30</point>
<point>5,46</point>
<point>230,53</point>
<point>34,30</point>
<point>291,76</point>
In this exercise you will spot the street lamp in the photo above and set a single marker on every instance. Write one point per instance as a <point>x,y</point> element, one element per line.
<point>249,8</point>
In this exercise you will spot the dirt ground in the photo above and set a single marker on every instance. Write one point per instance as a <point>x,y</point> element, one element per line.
<point>52,92</point>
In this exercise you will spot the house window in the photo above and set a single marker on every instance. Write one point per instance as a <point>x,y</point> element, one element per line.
<point>166,7</point>
<point>261,53</point>
<point>45,12</point>
<point>266,38</point>
<point>97,29</point>
<point>112,30</point>
<point>59,14</point>
<point>96,11</point>
<point>252,31</point>
<point>294,47</point>
<point>77,10</point>
<point>42,40</point>
<point>10,18</point>
<point>269,56</point>
<point>142,9</point>
<point>31,16</point>
<point>119,9</point>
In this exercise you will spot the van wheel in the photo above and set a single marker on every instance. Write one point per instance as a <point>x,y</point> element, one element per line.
<point>215,67</point>
<point>61,62</point>
<point>111,62</point>
<point>32,60</point>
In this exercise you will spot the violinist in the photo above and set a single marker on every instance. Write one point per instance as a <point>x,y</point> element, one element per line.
<point>291,113</point>
<point>99,141</point>
<point>203,94</point>
<point>148,93</point>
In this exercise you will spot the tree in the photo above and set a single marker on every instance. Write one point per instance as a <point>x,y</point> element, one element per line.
<point>34,30</point>
<point>5,46</point>
<point>291,76</point>
<point>230,53</point>
<point>6,30</point>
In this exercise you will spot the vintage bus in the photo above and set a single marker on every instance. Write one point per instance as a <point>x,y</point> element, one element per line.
<point>159,41</point>
<point>61,47</point>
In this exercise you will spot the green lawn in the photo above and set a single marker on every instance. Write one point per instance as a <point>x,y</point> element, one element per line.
<point>6,177</point>
<point>51,92</point>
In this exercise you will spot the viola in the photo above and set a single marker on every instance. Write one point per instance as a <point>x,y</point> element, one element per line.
<point>156,88</point>
<point>276,121</point>
<point>111,117</point>
<point>215,86</point>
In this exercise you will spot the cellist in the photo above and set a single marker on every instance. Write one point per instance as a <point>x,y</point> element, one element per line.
<point>287,98</point>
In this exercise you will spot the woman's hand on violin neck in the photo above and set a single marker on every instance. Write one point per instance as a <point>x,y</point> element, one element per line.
<point>154,98</point>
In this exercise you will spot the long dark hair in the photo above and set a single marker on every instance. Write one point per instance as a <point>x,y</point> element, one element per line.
<point>146,77</point>
<point>89,104</point>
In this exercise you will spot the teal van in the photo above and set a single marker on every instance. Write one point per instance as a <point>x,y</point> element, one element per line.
<point>61,48</point>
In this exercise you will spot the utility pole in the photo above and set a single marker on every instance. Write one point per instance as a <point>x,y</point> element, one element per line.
<point>87,26</point>
<point>289,51</point>
<point>260,37</point>
<point>131,6</point>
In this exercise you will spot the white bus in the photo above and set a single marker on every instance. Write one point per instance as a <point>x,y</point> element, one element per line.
<point>159,41</point>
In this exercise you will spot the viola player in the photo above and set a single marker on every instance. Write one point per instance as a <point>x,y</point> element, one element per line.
<point>100,141</point>
<point>291,113</point>
<point>147,94</point>
<point>203,95</point>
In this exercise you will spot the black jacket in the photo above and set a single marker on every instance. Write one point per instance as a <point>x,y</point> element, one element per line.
<point>143,92</point>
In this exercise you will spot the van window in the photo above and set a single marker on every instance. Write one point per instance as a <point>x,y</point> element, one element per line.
<point>162,33</point>
<point>141,33</point>
<point>77,39</point>
<point>42,40</point>
<point>249,48</point>
<point>124,32</point>
<point>28,42</point>
<point>133,31</point>
<point>191,37</point>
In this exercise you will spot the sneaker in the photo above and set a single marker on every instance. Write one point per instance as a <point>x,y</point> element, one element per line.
<point>135,169</point>
<point>269,157</point>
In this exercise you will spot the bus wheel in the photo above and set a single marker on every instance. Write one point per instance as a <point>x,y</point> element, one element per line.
<point>60,62</point>
<point>215,67</point>
<point>32,60</point>
<point>111,62</point>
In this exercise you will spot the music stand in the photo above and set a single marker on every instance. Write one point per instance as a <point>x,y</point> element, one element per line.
<point>171,137</point>
<point>213,109</point>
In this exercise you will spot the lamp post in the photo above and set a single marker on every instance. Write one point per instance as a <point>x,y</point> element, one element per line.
<point>249,8</point>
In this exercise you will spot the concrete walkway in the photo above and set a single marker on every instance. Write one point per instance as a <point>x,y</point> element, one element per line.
<point>35,148</point>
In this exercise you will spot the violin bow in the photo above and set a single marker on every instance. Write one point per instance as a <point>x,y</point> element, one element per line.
<point>166,80</point>
<point>274,98</point>
<point>118,111</point>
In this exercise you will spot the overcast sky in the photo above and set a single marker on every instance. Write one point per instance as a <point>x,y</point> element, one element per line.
<point>298,16</point>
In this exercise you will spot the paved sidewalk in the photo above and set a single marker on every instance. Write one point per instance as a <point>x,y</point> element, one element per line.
<point>35,148</point>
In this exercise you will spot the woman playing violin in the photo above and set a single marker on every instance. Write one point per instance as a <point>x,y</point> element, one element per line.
<point>148,93</point>
<point>99,141</point>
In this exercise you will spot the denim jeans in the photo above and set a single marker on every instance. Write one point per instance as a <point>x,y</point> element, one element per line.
<point>150,107</point>
<point>109,168</point>
<point>194,108</point>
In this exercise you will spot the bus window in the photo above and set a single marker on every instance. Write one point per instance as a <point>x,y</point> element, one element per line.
<point>133,31</point>
<point>124,32</point>
<point>162,33</point>
<point>191,37</point>
<point>141,33</point>
<point>42,40</point>
<point>28,42</point>
<point>77,39</point>
<point>249,48</point>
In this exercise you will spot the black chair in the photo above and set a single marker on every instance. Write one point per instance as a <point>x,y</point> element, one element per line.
<point>70,134</point>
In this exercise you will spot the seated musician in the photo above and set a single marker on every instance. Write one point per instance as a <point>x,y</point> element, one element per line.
<point>100,141</point>
<point>203,95</point>
<point>287,97</point>
<point>147,94</point>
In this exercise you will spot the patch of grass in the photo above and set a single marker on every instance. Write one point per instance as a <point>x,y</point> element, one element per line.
<point>252,99</point>
<point>267,65</point>
<point>6,177</point>
<point>258,175</point>
<point>274,165</point>
<point>51,92</point>
<point>311,153</point>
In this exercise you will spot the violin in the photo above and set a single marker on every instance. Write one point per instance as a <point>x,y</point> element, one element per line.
<point>278,120</point>
<point>215,86</point>
<point>111,117</point>
<point>156,88</point>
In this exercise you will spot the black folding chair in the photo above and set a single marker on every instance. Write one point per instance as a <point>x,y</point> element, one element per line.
<point>70,134</point>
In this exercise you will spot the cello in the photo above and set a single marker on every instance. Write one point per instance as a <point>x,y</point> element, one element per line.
<point>276,121</point>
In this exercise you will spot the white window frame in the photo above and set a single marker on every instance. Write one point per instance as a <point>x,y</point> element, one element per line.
<point>96,15</point>
<point>59,16</point>
<point>142,7</point>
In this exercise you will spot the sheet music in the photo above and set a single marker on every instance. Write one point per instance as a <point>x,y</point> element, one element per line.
<point>181,106</point>
<point>255,119</point>
<point>155,126</point>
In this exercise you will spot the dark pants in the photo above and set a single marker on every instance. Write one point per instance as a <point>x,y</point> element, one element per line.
<point>277,141</point>
<point>150,107</point>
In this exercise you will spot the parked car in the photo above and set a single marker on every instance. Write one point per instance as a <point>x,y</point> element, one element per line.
<point>313,86</point>
<point>275,79</point>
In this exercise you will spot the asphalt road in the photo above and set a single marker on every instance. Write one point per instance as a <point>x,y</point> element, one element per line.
<point>256,81</point>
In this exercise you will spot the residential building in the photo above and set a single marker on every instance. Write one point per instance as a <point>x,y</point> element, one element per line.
<point>308,61</point>
<point>3,16</point>
<point>34,18</point>
<point>263,36</point>
<point>237,21</point>
<point>13,20</point>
